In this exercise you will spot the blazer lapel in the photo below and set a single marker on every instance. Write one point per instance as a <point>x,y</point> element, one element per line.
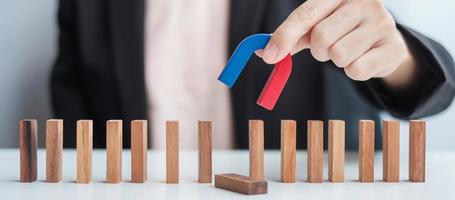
<point>127,35</point>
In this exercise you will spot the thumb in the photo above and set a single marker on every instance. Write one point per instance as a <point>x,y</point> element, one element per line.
<point>277,48</point>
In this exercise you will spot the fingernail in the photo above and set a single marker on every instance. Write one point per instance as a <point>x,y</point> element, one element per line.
<point>270,52</point>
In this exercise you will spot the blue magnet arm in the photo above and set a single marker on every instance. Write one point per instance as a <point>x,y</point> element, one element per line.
<point>241,56</point>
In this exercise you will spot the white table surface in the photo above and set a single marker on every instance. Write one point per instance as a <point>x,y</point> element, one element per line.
<point>439,185</point>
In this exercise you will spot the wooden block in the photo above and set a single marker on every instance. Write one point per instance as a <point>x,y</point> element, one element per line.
<point>139,151</point>
<point>205,151</point>
<point>114,151</point>
<point>256,147</point>
<point>391,151</point>
<point>84,145</point>
<point>366,151</point>
<point>288,148</point>
<point>54,149</point>
<point>336,150</point>
<point>240,184</point>
<point>28,144</point>
<point>172,152</point>
<point>315,151</point>
<point>417,150</point>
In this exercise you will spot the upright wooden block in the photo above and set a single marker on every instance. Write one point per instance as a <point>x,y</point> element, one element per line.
<point>240,184</point>
<point>114,151</point>
<point>315,151</point>
<point>288,148</point>
<point>256,147</point>
<point>84,145</point>
<point>205,151</point>
<point>138,151</point>
<point>366,151</point>
<point>54,149</point>
<point>417,150</point>
<point>28,144</point>
<point>391,151</point>
<point>172,152</point>
<point>336,150</point>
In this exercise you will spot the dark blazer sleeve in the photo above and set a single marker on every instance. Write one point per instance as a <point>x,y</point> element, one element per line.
<point>66,89</point>
<point>431,92</point>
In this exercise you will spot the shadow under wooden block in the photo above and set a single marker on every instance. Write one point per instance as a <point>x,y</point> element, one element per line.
<point>240,184</point>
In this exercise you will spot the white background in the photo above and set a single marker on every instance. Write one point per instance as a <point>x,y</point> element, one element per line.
<point>28,46</point>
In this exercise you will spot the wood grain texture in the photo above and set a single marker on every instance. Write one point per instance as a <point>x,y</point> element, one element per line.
<point>84,145</point>
<point>240,184</point>
<point>315,151</point>
<point>391,151</point>
<point>139,151</point>
<point>288,148</point>
<point>114,151</point>
<point>336,150</point>
<point>205,151</point>
<point>256,148</point>
<point>366,150</point>
<point>417,134</point>
<point>54,150</point>
<point>172,152</point>
<point>28,145</point>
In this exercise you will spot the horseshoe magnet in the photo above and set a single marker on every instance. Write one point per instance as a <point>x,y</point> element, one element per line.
<point>277,79</point>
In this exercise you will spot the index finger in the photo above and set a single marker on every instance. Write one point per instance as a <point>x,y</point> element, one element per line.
<point>298,23</point>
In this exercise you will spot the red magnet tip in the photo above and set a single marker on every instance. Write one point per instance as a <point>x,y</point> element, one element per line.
<point>275,84</point>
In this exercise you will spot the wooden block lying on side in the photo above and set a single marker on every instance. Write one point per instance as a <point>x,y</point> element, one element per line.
<point>288,148</point>
<point>336,150</point>
<point>205,151</point>
<point>366,151</point>
<point>391,151</point>
<point>84,145</point>
<point>138,151</point>
<point>256,146</point>
<point>172,152</point>
<point>28,145</point>
<point>417,150</point>
<point>315,151</point>
<point>114,151</point>
<point>240,184</point>
<point>54,149</point>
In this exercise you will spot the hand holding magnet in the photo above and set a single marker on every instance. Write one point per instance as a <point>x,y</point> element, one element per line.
<point>277,80</point>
